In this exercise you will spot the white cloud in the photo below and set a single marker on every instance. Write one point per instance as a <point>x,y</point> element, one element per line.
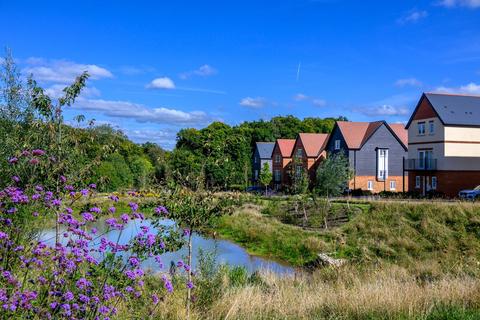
<point>460,3</point>
<point>300,97</point>
<point>62,71</point>
<point>408,82</point>
<point>258,102</point>
<point>384,110</point>
<point>202,71</point>
<point>141,113</point>
<point>164,137</point>
<point>319,102</point>
<point>471,88</point>
<point>413,16</point>
<point>161,83</point>
<point>56,91</point>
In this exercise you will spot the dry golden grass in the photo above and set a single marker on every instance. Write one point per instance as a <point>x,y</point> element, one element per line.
<point>349,294</point>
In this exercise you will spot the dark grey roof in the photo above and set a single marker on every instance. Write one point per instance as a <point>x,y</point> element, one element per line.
<point>265,149</point>
<point>456,109</point>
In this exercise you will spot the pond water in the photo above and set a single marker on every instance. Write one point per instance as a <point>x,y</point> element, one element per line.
<point>225,251</point>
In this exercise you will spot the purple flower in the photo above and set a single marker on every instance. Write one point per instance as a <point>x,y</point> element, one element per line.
<point>69,188</point>
<point>3,235</point>
<point>161,210</point>
<point>87,216</point>
<point>180,264</point>
<point>93,231</point>
<point>13,160</point>
<point>38,152</point>
<point>34,161</point>
<point>168,285</point>
<point>190,285</point>
<point>84,192</point>
<point>112,209</point>
<point>57,202</point>
<point>133,206</point>
<point>68,296</point>
<point>53,305</point>
<point>134,262</point>
<point>124,217</point>
<point>96,210</point>
<point>92,186</point>
<point>186,232</point>
<point>155,299</point>
<point>63,179</point>
<point>25,153</point>
<point>39,188</point>
<point>114,198</point>
<point>112,222</point>
<point>16,179</point>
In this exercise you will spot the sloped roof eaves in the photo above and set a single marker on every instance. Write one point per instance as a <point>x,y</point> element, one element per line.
<point>286,147</point>
<point>313,143</point>
<point>265,149</point>
<point>456,109</point>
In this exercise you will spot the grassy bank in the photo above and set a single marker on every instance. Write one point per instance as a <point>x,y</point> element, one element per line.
<point>439,237</point>
<point>383,292</point>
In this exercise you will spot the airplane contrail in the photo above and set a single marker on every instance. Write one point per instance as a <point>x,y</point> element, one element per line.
<point>298,70</point>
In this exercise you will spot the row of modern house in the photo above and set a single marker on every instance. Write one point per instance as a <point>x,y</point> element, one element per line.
<point>437,151</point>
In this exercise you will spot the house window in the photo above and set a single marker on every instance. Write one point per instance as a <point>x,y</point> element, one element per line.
<point>382,164</point>
<point>278,159</point>
<point>393,185</point>
<point>278,175</point>
<point>421,128</point>
<point>370,185</point>
<point>255,160</point>
<point>337,144</point>
<point>299,153</point>
<point>425,159</point>
<point>298,171</point>
<point>431,126</point>
<point>256,174</point>
<point>417,182</point>
<point>434,183</point>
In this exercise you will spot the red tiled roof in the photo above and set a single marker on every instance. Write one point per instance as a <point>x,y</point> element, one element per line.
<point>286,147</point>
<point>401,132</point>
<point>314,143</point>
<point>357,133</point>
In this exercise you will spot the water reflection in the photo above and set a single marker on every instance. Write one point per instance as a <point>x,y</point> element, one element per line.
<point>226,251</point>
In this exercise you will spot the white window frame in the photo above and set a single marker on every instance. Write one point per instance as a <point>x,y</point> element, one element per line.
<point>337,144</point>
<point>278,158</point>
<point>434,183</point>
<point>298,171</point>
<point>370,185</point>
<point>421,128</point>
<point>299,153</point>
<point>382,164</point>
<point>393,185</point>
<point>418,182</point>
<point>431,127</point>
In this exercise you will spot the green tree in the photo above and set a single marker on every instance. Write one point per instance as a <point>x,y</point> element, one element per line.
<point>333,175</point>
<point>142,171</point>
<point>265,176</point>
<point>113,174</point>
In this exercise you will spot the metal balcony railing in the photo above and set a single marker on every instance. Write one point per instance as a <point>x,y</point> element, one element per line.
<point>420,164</point>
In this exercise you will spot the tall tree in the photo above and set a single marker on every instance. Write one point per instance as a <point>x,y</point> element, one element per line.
<point>265,176</point>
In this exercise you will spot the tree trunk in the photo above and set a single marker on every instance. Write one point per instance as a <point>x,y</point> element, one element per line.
<point>189,290</point>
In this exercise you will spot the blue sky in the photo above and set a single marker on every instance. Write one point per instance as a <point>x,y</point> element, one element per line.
<point>160,66</point>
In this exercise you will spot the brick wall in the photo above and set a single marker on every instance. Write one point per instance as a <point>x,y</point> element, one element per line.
<point>361,182</point>
<point>448,182</point>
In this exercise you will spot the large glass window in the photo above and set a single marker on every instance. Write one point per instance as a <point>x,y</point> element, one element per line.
<point>382,164</point>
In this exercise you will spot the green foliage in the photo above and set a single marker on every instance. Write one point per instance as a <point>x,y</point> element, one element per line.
<point>333,175</point>
<point>142,170</point>
<point>265,175</point>
<point>113,174</point>
<point>298,177</point>
<point>222,154</point>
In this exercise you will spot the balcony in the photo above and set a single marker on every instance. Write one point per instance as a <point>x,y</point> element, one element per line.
<point>420,164</point>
